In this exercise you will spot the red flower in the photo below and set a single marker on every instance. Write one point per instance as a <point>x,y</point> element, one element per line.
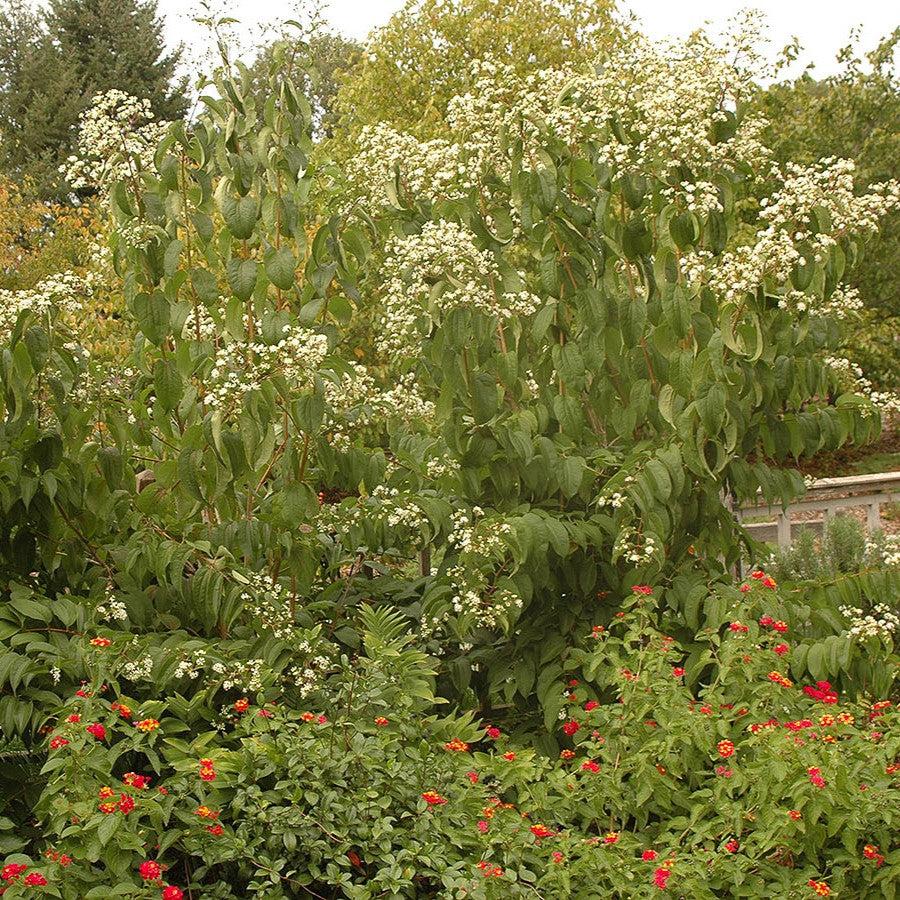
<point>126,804</point>
<point>263,713</point>
<point>822,691</point>
<point>123,710</point>
<point>648,855</point>
<point>781,649</point>
<point>139,782</point>
<point>738,628</point>
<point>744,588</point>
<point>322,719</point>
<point>724,771</point>
<point>509,755</point>
<point>150,870</point>
<point>241,706</point>
<point>678,672</point>
<point>795,814</point>
<point>758,574</point>
<point>57,742</point>
<point>541,831</point>
<point>766,621</point>
<point>483,826</point>
<point>732,846</point>
<point>147,725</point>
<point>489,870</point>
<point>591,704</point>
<point>644,589</point>
<point>12,871</point>
<point>557,857</point>
<point>307,716</point>
<point>433,798</point>
<point>472,776</point>
<point>660,877</point>
<point>35,879</point>
<point>75,717</point>
<point>381,721</point>
<point>590,766</point>
<point>611,838</point>
<point>100,642</point>
<point>492,732</point>
<point>780,627</point>
<point>456,746</point>
<point>215,830</point>
<point>172,893</point>
<point>570,727</point>
<point>819,887</point>
<point>870,851</point>
<point>97,730</point>
<point>567,754</point>
<point>725,748</point>
<point>108,807</point>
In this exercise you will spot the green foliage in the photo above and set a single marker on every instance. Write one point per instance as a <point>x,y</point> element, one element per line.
<point>53,62</point>
<point>429,52</point>
<point>852,114</point>
<point>371,792</point>
<point>209,556</point>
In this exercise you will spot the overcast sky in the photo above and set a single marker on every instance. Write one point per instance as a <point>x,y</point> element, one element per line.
<point>821,25</point>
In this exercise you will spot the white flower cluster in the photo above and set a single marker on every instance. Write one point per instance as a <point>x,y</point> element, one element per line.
<point>61,293</point>
<point>241,366</point>
<point>307,678</point>
<point>634,547</point>
<point>880,621</point>
<point>199,325</point>
<point>613,498</point>
<point>117,139</point>
<point>247,676</point>
<point>112,609</point>
<point>479,541</point>
<point>852,377</point>
<point>139,669</point>
<point>434,167</point>
<point>812,209</point>
<point>883,550</point>
<point>433,272</point>
<point>266,599</point>
<point>843,303</point>
<point>191,666</point>
<point>356,402</point>
<point>667,105</point>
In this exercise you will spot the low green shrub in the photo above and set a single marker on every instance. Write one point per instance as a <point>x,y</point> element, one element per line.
<point>701,770</point>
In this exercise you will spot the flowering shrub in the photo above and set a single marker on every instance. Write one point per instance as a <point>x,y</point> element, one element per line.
<point>749,784</point>
<point>237,571</point>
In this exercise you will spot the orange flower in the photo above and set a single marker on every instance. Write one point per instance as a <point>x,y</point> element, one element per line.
<point>725,748</point>
<point>541,831</point>
<point>147,725</point>
<point>242,705</point>
<point>433,798</point>
<point>100,642</point>
<point>381,721</point>
<point>611,838</point>
<point>456,746</point>
<point>105,793</point>
<point>819,887</point>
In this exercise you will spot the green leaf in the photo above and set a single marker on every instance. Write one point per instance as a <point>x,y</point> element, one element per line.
<point>242,274</point>
<point>281,267</point>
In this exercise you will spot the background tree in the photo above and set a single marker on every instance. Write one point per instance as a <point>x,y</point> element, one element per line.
<point>51,65</point>
<point>319,63</point>
<point>424,56</point>
<point>853,114</point>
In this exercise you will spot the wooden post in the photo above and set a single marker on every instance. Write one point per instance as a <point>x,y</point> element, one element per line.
<point>425,562</point>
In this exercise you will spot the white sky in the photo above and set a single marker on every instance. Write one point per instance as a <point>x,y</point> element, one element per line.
<point>822,25</point>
